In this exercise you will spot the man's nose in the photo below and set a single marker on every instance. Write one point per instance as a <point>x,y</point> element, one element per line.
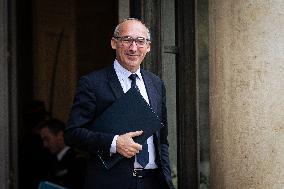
<point>133,46</point>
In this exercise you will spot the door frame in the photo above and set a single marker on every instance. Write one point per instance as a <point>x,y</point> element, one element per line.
<point>187,108</point>
<point>8,94</point>
<point>187,98</point>
<point>4,95</point>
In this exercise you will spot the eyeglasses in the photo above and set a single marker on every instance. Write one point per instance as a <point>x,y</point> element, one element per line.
<point>127,41</point>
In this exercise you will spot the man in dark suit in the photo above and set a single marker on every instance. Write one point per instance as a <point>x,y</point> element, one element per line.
<point>145,166</point>
<point>68,169</point>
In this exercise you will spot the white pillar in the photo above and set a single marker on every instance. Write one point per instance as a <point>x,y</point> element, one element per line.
<point>246,42</point>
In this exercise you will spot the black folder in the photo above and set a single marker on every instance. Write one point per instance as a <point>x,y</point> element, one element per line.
<point>49,185</point>
<point>129,113</point>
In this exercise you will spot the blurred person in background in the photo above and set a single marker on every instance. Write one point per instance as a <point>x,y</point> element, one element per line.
<point>34,160</point>
<point>69,167</point>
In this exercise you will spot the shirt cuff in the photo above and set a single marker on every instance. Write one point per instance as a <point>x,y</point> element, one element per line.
<point>113,145</point>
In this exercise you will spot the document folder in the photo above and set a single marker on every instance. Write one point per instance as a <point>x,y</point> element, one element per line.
<point>129,113</point>
<point>49,185</point>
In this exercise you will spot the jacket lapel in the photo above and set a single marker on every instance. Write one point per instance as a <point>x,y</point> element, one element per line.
<point>114,83</point>
<point>153,99</point>
<point>151,90</point>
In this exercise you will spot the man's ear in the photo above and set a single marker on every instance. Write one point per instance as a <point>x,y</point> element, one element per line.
<point>60,134</point>
<point>149,47</point>
<point>113,43</point>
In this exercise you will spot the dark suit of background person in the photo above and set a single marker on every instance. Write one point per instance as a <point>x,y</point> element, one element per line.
<point>69,171</point>
<point>34,160</point>
<point>95,93</point>
<point>68,168</point>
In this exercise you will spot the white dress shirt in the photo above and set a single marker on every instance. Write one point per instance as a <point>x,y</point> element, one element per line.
<point>62,153</point>
<point>125,82</point>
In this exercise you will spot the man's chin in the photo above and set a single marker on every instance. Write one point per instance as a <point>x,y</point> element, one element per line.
<point>132,66</point>
<point>133,63</point>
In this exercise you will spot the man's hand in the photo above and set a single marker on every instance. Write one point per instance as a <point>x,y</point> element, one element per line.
<point>126,146</point>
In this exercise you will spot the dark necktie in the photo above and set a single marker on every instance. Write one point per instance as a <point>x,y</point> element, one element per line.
<point>143,155</point>
<point>133,77</point>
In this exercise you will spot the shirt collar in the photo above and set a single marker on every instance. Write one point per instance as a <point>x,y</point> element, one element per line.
<point>124,73</point>
<point>62,153</point>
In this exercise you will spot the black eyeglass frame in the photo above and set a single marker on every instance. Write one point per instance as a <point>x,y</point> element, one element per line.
<point>127,40</point>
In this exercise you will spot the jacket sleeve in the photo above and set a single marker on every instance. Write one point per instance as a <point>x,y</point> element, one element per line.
<point>164,142</point>
<point>82,113</point>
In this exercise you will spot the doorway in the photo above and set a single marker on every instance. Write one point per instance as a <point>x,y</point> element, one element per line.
<point>58,42</point>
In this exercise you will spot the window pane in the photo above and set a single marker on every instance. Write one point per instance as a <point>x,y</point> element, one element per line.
<point>203,96</point>
<point>169,77</point>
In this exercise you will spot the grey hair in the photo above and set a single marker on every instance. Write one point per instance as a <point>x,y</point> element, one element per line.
<point>117,28</point>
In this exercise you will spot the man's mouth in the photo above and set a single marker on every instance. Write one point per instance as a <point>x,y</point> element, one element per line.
<point>132,56</point>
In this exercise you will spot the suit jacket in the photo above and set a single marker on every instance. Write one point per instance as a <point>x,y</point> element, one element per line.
<point>95,93</point>
<point>69,171</point>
